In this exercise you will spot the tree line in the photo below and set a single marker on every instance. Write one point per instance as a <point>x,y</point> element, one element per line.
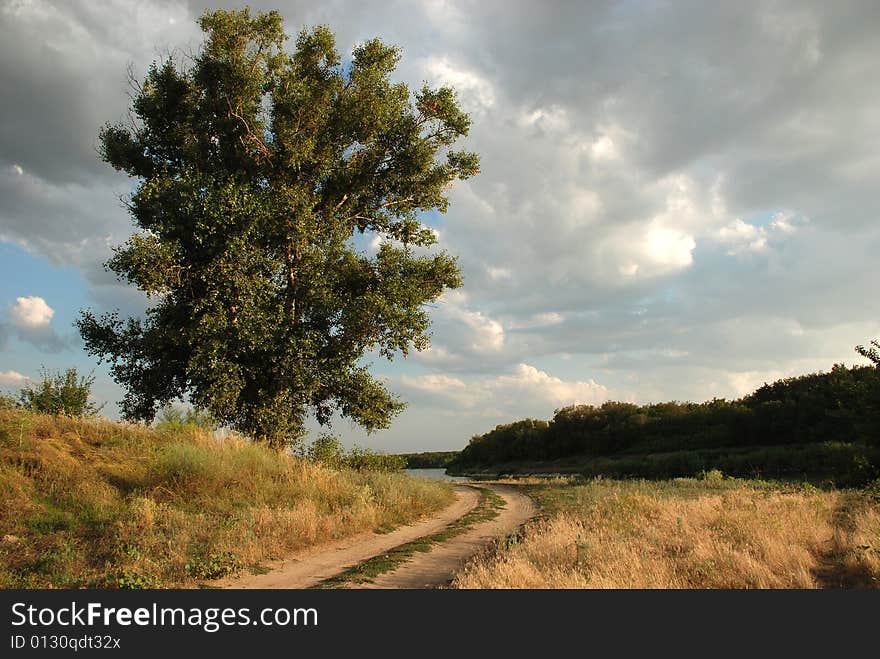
<point>841,406</point>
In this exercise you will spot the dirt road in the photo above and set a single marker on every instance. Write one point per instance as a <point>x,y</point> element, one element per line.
<point>436,568</point>
<point>424,570</point>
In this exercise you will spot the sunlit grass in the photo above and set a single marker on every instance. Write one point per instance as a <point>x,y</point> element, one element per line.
<point>689,533</point>
<point>97,503</point>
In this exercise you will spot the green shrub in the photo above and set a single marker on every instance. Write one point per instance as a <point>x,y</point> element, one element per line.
<point>61,394</point>
<point>174,419</point>
<point>363,459</point>
<point>327,450</point>
<point>214,566</point>
<point>131,580</point>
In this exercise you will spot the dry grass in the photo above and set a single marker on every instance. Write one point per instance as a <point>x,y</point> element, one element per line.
<point>689,534</point>
<point>101,504</point>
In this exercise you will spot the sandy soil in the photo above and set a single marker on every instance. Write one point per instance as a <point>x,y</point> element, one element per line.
<point>306,568</point>
<point>432,569</point>
<point>436,568</point>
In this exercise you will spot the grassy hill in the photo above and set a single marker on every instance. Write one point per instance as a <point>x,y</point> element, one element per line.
<point>92,503</point>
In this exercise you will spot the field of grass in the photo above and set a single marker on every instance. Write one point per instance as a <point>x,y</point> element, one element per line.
<point>92,503</point>
<point>713,532</point>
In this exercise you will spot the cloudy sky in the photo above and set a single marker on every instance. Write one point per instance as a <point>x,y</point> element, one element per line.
<point>678,200</point>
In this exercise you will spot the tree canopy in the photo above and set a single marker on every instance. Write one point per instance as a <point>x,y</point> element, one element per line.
<point>262,175</point>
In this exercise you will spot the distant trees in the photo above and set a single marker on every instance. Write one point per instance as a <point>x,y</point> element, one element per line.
<point>429,459</point>
<point>838,406</point>
<point>870,423</point>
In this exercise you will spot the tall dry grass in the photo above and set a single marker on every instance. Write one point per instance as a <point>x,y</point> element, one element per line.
<point>101,504</point>
<point>689,534</point>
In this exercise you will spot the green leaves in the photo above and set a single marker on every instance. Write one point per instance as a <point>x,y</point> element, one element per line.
<point>256,168</point>
<point>60,393</point>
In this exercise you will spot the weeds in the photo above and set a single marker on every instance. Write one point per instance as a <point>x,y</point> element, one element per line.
<point>88,502</point>
<point>712,532</point>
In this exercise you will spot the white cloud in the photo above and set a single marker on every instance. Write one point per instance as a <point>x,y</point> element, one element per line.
<point>461,334</point>
<point>538,320</point>
<point>745,382</point>
<point>601,179</point>
<point>603,148</point>
<point>497,274</point>
<point>12,378</point>
<point>474,91</point>
<point>743,237</point>
<point>531,383</point>
<point>484,333</point>
<point>785,222</point>
<point>659,250</point>
<point>29,313</point>
<point>31,319</point>
<point>553,119</point>
<point>669,247</point>
<point>526,391</point>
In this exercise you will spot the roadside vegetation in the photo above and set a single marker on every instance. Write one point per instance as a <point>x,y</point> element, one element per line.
<point>91,503</point>
<point>711,532</point>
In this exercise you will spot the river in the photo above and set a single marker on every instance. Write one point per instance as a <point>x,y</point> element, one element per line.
<point>434,474</point>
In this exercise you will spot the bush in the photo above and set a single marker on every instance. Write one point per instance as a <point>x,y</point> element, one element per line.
<point>328,450</point>
<point>61,394</point>
<point>174,419</point>
<point>363,459</point>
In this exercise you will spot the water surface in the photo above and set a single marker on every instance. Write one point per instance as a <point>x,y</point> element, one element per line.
<point>434,474</point>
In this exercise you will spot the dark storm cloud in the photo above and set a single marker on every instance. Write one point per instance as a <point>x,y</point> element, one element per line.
<point>634,157</point>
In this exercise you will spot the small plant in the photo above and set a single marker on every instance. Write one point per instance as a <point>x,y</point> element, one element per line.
<point>214,566</point>
<point>61,394</point>
<point>363,459</point>
<point>131,580</point>
<point>711,476</point>
<point>174,419</point>
<point>327,450</point>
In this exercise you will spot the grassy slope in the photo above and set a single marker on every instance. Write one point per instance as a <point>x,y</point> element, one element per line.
<point>100,504</point>
<point>688,533</point>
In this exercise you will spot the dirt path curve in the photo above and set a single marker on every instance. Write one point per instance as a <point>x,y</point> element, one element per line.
<point>437,567</point>
<point>306,568</point>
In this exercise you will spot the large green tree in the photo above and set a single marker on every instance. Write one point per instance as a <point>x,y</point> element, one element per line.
<point>257,170</point>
